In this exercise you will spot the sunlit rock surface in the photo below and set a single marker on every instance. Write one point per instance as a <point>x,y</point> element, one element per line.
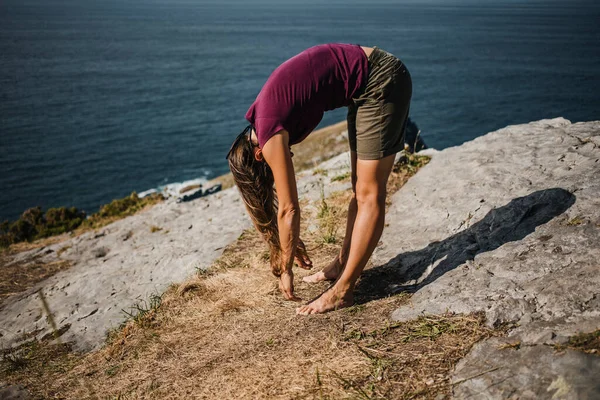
<point>507,224</point>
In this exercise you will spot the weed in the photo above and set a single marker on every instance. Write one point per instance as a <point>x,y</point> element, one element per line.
<point>155,228</point>
<point>35,224</point>
<point>329,219</point>
<point>13,359</point>
<point>112,370</point>
<point>578,220</point>
<point>62,250</point>
<point>515,345</point>
<point>121,208</point>
<point>586,342</point>
<point>341,177</point>
<point>143,312</point>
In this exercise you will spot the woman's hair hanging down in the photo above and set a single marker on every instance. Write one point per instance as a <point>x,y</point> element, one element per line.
<point>254,180</point>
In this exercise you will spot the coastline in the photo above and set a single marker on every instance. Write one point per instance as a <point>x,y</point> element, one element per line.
<point>475,257</point>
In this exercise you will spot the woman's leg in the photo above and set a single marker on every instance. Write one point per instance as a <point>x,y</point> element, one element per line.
<point>335,267</point>
<point>372,176</point>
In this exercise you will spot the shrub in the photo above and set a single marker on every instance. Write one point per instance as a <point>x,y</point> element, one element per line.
<point>34,224</point>
<point>121,208</point>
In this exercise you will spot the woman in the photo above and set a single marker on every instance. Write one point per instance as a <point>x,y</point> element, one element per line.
<point>376,87</point>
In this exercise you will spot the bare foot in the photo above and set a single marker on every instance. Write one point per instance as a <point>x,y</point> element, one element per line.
<point>330,300</point>
<point>329,273</point>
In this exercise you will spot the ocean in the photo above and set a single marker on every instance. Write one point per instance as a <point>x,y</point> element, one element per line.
<point>102,98</point>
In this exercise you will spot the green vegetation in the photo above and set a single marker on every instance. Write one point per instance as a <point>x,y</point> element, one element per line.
<point>155,228</point>
<point>36,224</point>
<point>578,220</point>
<point>121,208</point>
<point>587,342</point>
<point>341,177</point>
<point>329,218</point>
<point>143,312</point>
<point>320,171</point>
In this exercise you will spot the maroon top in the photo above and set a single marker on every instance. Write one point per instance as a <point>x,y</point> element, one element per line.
<point>301,89</point>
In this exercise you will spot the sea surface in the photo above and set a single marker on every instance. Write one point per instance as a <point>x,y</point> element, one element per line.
<point>102,98</point>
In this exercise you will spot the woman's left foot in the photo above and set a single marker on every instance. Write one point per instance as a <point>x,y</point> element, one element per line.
<point>329,273</point>
<point>330,300</point>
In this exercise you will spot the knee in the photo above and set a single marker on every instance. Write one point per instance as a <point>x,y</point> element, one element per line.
<point>369,195</point>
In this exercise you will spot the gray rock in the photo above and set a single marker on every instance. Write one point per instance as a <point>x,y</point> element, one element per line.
<point>530,372</point>
<point>90,298</point>
<point>507,224</point>
<point>13,392</point>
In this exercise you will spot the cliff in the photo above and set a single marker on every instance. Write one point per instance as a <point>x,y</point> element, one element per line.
<point>484,285</point>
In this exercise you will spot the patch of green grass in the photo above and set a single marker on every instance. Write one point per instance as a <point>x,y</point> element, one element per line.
<point>320,171</point>
<point>587,342</point>
<point>155,228</point>
<point>341,177</point>
<point>112,371</point>
<point>121,208</point>
<point>143,312</point>
<point>328,221</point>
<point>578,220</point>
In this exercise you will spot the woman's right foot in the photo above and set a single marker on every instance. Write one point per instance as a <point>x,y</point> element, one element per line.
<point>329,273</point>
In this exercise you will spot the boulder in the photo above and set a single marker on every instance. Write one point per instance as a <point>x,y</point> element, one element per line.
<point>509,225</point>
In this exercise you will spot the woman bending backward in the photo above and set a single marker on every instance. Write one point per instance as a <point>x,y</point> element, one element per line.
<point>376,87</point>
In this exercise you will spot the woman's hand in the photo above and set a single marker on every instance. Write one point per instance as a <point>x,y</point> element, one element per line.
<point>286,280</point>
<point>286,285</point>
<point>301,257</point>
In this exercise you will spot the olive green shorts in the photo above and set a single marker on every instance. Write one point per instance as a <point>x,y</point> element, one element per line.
<point>377,118</point>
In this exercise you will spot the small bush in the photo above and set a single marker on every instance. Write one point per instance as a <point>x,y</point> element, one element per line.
<point>121,208</point>
<point>35,224</point>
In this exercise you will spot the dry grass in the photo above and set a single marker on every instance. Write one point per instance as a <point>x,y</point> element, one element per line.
<point>233,337</point>
<point>36,363</point>
<point>19,275</point>
<point>228,333</point>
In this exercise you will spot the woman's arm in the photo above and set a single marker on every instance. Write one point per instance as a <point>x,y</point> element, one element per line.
<point>276,153</point>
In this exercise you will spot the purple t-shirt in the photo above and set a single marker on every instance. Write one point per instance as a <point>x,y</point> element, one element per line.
<point>301,89</point>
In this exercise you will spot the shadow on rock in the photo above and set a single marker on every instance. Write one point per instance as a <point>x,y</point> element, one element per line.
<point>508,223</point>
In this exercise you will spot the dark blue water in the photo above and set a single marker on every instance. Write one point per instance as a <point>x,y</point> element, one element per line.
<point>100,98</point>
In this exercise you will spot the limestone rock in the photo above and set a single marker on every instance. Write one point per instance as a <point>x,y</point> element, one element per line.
<point>528,372</point>
<point>122,265</point>
<point>507,224</point>
<point>13,392</point>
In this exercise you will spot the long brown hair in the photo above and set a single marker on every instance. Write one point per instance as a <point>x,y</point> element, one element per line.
<point>254,180</point>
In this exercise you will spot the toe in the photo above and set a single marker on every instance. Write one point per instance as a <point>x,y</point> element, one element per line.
<point>314,278</point>
<point>301,310</point>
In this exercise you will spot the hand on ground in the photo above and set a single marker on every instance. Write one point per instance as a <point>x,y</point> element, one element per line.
<point>286,285</point>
